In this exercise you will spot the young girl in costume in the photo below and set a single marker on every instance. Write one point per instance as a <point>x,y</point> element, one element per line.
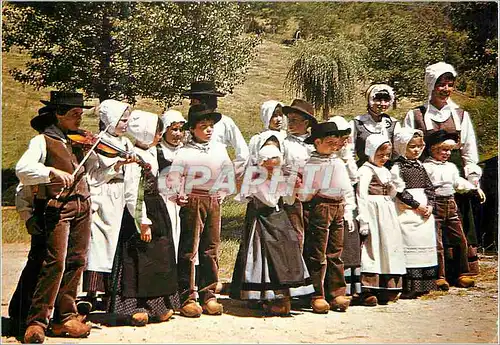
<point>269,266</point>
<point>107,191</point>
<point>414,200</point>
<point>144,270</point>
<point>382,255</point>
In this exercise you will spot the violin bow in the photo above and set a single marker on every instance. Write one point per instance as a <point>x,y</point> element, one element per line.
<point>99,137</point>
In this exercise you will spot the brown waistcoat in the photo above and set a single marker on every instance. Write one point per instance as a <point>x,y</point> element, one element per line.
<point>62,156</point>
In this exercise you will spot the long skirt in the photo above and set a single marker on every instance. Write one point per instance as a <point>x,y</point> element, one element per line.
<point>145,274</point>
<point>107,211</point>
<point>419,239</point>
<point>269,264</point>
<point>351,256</point>
<point>382,255</point>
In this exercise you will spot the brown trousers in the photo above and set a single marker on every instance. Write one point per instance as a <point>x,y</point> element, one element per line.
<point>323,247</point>
<point>63,265</point>
<point>295,213</point>
<point>450,234</point>
<point>200,236</point>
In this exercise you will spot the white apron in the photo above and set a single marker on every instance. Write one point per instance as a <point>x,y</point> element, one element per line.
<point>419,235</point>
<point>382,252</point>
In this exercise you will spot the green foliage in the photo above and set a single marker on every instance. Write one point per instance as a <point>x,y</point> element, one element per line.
<point>484,116</point>
<point>13,229</point>
<point>479,21</point>
<point>399,50</point>
<point>325,72</point>
<point>126,50</point>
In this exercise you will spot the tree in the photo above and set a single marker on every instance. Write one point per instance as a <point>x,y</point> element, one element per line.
<point>325,72</point>
<point>127,50</point>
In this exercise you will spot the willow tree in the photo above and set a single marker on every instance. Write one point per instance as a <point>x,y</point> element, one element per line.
<point>325,72</point>
<point>126,50</point>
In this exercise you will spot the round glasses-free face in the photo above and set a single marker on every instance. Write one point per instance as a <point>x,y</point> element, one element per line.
<point>174,133</point>
<point>71,120</point>
<point>202,131</point>
<point>276,121</point>
<point>382,155</point>
<point>380,104</point>
<point>415,148</point>
<point>443,88</point>
<point>122,125</point>
<point>297,124</point>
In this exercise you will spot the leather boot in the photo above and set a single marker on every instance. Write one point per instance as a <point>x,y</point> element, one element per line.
<point>280,307</point>
<point>166,316</point>
<point>442,284</point>
<point>212,307</point>
<point>191,308</point>
<point>72,328</point>
<point>465,282</point>
<point>139,319</point>
<point>319,305</point>
<point>34,334</point>
<point>340,303</point>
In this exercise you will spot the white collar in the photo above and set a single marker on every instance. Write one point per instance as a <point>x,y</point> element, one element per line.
<point>441,115</point>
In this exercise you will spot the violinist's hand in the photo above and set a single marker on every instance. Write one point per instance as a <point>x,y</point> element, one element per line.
<point>145,233</point>
<point>181,200</point>
<point>129,159</point>
<point>62,177</point>
<point>482,196</point>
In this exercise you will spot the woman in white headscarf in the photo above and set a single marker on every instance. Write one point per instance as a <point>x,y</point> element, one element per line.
<point>382,255</point>
<point>273,119</point>
<point>440,112</point>
<point>379,98</point>
<point>169,145</point>
<point>415,197</point>
<point>107,191</point>
<point>144,270</point>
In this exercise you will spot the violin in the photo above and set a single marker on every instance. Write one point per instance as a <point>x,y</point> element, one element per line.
<point>87,139</point>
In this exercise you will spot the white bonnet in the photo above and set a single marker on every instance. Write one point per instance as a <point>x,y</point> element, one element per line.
<point>402,138</point>
<point>342,124</point>
<point>110,112</point>
<point>142,125</point>
<point>267,110</point>
<point>373,142</point>
<point>433,72</point>
<point>377,88</point>
<point>171,116</point>
<point>268,152</point>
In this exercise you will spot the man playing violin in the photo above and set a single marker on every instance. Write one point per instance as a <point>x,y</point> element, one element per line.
<point>49,167</point>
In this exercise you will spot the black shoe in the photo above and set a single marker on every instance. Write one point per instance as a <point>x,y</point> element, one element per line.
<point>84,307</point>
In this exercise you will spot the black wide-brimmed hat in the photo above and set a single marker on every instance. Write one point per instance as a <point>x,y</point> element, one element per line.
<point>202,88</point>
<point>303,108</point>
<point>46,117</point>
<point>199,112</point>
<point>325,129</point>
<point>440,136</point>
<point>67,99</point>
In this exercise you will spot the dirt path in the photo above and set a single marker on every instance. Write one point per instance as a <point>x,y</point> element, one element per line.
<point>460,316</point>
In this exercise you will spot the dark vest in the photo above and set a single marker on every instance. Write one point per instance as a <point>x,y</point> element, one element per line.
<point>362,133</point>
<point>63,157</point>
<point>448,126</point>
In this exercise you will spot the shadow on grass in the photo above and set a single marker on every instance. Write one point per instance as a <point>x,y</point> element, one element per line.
<point>9,183</point>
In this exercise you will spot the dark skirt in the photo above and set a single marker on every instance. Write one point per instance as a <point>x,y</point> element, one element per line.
<point>420,280</point>
<point>351,256</point>
<point>269,264</point>
<point>94,281</point>
<point>144,274</point>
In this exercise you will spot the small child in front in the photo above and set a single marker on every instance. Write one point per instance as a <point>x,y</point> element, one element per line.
<point>382,254</point>
<point>325,184</point>
<point>446,179</point>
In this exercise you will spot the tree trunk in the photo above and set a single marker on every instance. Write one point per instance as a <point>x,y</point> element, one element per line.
<point>105,43</point>
<point>326,112</point>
